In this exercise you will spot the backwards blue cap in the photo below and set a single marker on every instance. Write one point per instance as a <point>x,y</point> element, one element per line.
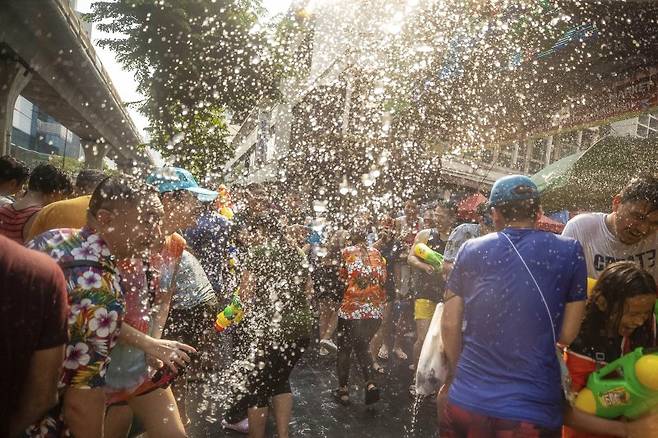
<point>170,179</point>
<point>513,188</point>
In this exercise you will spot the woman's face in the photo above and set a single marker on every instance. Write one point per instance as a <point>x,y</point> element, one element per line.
<point>637,310</point>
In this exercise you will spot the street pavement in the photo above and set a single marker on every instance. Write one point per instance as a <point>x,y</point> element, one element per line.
<point>316,414</point>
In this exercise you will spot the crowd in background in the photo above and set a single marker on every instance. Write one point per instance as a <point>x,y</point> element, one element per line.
<point>111,286</point>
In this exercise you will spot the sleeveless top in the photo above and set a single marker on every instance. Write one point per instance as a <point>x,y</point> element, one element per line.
<point>13,221</point>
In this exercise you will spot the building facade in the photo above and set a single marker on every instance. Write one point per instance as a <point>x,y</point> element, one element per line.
<point>342,33</point>
<point>36,131</point>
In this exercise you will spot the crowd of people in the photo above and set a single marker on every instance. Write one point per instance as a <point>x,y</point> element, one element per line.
<point>111,287</point>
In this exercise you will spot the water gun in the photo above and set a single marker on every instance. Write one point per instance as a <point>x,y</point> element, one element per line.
<point>223,202</point>
<point>231,315</point>
<point>429,256</point>
<point>631,395</point>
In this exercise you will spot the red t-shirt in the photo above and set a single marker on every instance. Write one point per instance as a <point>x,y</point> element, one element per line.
<point>33,316</point>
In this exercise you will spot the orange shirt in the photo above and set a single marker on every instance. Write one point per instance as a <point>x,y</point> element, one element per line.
<point>364,296</point>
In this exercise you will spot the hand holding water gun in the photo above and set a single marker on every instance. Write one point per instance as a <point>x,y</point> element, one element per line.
<point>631,395</point>
<point>231,315</point>
<point>429,256</point>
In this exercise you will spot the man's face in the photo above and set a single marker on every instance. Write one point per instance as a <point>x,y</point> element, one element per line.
<point>443,218</point>
<point>411,210</point>
<point>258,201</point>
<point>182,208</point>
<point>637,310</point>
<point>634,220</point>
<point>142,225</point>
<point>429,219</point>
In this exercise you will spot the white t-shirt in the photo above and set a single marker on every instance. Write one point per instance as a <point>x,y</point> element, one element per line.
<point>602,247</point>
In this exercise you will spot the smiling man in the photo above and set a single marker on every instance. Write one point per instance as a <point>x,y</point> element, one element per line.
<point>630,232</point>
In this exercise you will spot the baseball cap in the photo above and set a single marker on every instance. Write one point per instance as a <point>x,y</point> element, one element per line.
<point>170,179</point>
<point>513,188</point>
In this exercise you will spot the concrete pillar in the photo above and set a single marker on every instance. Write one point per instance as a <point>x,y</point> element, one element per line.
<point>496,154</point>
<point>13,78</point>
<point>529,147</point>
<point>94,154</point>
<point>549,150</point>
<point>347,107</point>
<point>515,155</point>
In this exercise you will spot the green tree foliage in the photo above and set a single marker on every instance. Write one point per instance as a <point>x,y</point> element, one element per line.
<point>195,61</point>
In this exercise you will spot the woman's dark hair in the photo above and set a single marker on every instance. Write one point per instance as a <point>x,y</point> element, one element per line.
<point>48,179</point>
<point>618,282</point>
<point>448,206</point>
<point>13,169</point>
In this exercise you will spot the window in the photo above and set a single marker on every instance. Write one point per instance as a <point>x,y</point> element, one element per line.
<point>565,144</point>
<point>506,157</point>
<point>23,115</point>
<point>22,122</point>
<point>647,125</point>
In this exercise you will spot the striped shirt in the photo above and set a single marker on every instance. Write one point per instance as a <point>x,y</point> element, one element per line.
<point>13,221</point>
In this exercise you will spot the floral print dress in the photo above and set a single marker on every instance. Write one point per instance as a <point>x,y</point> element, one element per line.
<point>95,315</point>
<point>364,296</point>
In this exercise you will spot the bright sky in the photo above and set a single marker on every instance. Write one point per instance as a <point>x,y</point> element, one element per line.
<point>124,81</point>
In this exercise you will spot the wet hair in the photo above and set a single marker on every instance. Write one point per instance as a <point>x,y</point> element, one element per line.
<point>448,206</point>
<point>410,203</point>
<point>268,223</point>
<point>88,179</point>
<point>48,179</point>
<point>520,210</point>
<point>644,188</point>
<point>179,195</point>
<point>116,191</point>
<point>256,187</point>
<point>13,169</point>
<point>618,282</point>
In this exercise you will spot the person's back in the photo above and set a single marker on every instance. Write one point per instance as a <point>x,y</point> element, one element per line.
<point>33,312</point>
<point>12,221</point>
<point>281,308</point>
<point>510,299</point>
<point>208,241</point>
<point>69,213</point>
<point>47,184</point>
<point>509,337</point>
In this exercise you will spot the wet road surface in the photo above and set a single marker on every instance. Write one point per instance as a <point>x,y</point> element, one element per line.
<point>316,414</point>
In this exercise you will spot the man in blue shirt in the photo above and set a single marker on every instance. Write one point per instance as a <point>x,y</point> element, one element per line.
<point>511,297</point>
<point>208,241</point>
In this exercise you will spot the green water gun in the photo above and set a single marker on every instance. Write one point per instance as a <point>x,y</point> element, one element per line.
<point>429,256</point>
<point>627,387</point>
<point>231,315</point>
